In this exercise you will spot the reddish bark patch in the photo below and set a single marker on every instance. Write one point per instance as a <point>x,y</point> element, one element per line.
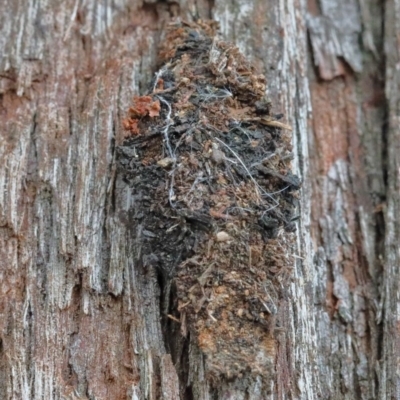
<point>329,102</point>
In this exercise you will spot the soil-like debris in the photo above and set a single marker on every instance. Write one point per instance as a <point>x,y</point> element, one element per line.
<point>214,199</point>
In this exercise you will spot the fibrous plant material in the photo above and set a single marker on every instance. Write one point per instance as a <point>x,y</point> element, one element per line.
<point>214,198</point>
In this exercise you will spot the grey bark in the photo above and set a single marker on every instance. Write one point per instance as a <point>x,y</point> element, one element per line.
<point>77,319</point>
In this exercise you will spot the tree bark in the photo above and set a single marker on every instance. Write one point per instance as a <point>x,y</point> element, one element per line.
<point>78,319</point>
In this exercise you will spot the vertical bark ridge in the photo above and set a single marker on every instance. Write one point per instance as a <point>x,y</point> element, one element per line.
<point>387,371</point>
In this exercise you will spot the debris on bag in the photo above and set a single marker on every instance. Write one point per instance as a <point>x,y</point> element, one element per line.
<point>214,197</point>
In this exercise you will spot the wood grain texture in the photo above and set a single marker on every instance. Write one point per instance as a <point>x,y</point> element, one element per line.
<point>71,304</point>
<point>78,320</point>
<point>389,379</point>
<point>348,129</point>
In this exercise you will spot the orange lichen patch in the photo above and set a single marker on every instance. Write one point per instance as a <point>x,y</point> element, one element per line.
<point>131,125</point>
<point>143,106</point>
<point>216,198</point>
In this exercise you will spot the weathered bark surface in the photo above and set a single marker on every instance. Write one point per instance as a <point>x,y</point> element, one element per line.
<point>77,318</point>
